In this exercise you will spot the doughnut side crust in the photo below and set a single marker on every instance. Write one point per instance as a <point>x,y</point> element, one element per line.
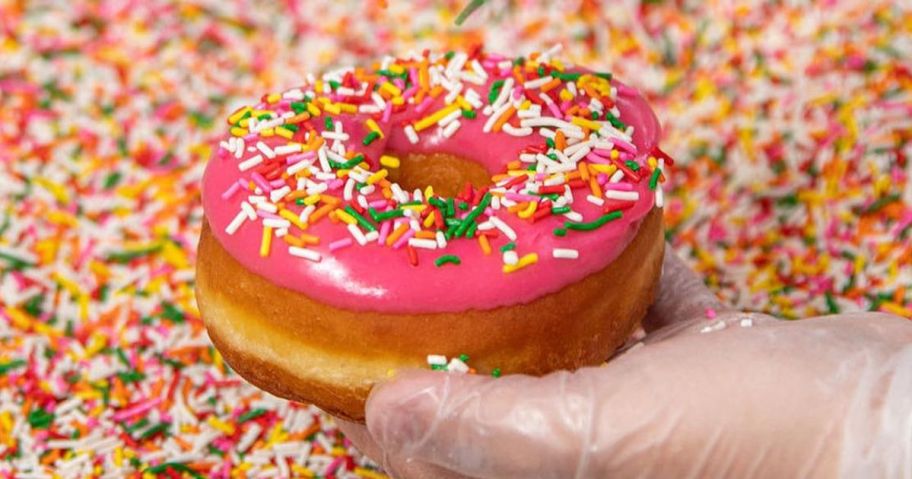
<point>300,349</point>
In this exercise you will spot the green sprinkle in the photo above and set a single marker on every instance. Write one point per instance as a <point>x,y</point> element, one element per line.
<point>438,367</point>
<point>560,231</point>
<point>464,358</point>
<point>495,372</point>
<point>447,259</point>
<point>632,165</point>
<point>264,116</point>
<point>654,179</point>
<point>251,414</point>
<point>122,356</point>
<point>565,76</point>
<point>131,376</point>
<point>450,207</point>
<point>519,61</point>
<point>292,128</point>
<point>880,204</point>
<point>615,122</point>
<point>373,135</point>
<point>508,247</point>
<point>470,218</point>
<point>152,431</point>
<point>9,366</point>
<point>386,215</point>
<point>40,419</point>
<point>298,107</point>
<point>111,180</point>
<point>471,232</point>
<point>299,201</point>
<point>549,142</point>
<point>832,307</point>
<point>328,123</point>
<point>592,225</point>
<point>170,312</point>
<point>449,55</point>
<point>348,164</point>
<point>437,202</point>
<point>177,466</point>
<point>129,255</point>
<point>605,75</point>
<point>334,84</point>
<point>360,219</point>
<point>467,11</point>
<point>470,114</point>
<point>463,205</point>
<point>494,92</point>
<point>541,70</point>
<point>200,119</point>
<point>33,305</point>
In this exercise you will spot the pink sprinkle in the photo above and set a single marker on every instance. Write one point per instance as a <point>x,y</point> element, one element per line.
<point>410,92</point>
<point>377,204</point>
<point>618,186</point>
<point>136,410</point>
<point>268,215</point>
<point>625,90</point>
<point>243,184</point>
<point>596,158</point>
<point>519,196</point>
<point>331,468</point>
<point>403,240</point>
<point>299,157</point>
<point>710,313</point>
<point>231,191</point>
<point>413,74</point>
<point>387,112</point>
<point>624,145</point>
<point>517,92</point>
<point>384,232</point>
<point>277,183</point>
<point>335,184</point>
<point>424,105</point>
<point>339,244</point>
<point>260,181</point>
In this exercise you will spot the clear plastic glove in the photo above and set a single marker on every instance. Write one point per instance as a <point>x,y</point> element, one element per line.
<point>743,395</point>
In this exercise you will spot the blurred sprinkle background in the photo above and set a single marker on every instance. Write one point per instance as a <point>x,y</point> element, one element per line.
<point>790,122</point>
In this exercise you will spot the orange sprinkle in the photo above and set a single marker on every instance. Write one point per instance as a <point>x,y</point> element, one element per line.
<point>504,118</point>
<point>309,239</point>
<point>399,231</point>
<point>550,85</point>
<point>485,244</point>
<point>425,234</point>
<point>320,213</point>
<point>292,240</point>
<point>594,186</point>
<point>560,141</point>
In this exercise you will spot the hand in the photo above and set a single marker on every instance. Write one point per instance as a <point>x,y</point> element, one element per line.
<point>742,395</point>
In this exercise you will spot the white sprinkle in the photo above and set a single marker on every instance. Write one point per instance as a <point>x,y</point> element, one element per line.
<point>436,360</point>
<point>411,134</point>
<point>287,149</point>
<point>573,216</point>
<point>747,323</point>
<point>372,236</point>
<point>250,162</point>
<point>422,243</point>
<point>660,197</point>
<point>504,228</point>
<point>347,191</point>
<point>616,177</point>
<point>305,213</point>
<point>622,195</point>
<point>246,208</point>
<point>457,366</point>
<point>716,326</point>
<point>565,253</point>
<point>357,234</point>
<point>267,207</point>
<point>293,94</point>
<point>239,149</point>
<point>299,166</point>
<point>537,83</point>
<point>441,240</point>
<point>281,232</point>
<point>276,223</point>
<point>236,223</point>
<point>450,129</point>
<point>510,257</point>
<point>324,161</point>
<point>511,130</point>
<point>304,253</point>
<point>450,118</point>
<point>278,194</point>
<point>595,200</point>
<point>489,125</point>
<point>265,149</point>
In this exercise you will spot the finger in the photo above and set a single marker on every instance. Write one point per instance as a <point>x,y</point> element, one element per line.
<point>681,295</point>
<point>515,426</point>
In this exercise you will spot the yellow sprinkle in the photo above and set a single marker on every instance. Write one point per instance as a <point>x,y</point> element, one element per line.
<point>377,176</point>
<point>220,425</point>
<point>463,103</point>
<point>236,117</point>
<point>389,161</point>
<point>565,95</point>
<point>433,118</point>
<point>342,215</point>
<point>614,154</point>
<point>266,242</point>
<point>284,132</point>
<point>428,221</point>
<point>369,474</point>
<point>418,208</point>
<point>525,106</point>
<point>288,215</point>
<point>55,189</point>
<point>526,260</point>
<point>398,101</point>
<point>301,471</point>
<point>397,69</point>
<point>527,213</point>
<point>318,86</point>
<point>374,126</point>
<point>332,108</point>
<point>592,125</point>
<point>896,309</point>
<point>393,90</point>
<point>347,107</point>
<point>652,162</point>
<point>267,132</point>
<point>273,98</point>
<point>429,191</point>
<point>607,169</point>
<point>312,109</point>
<point>311,200</point>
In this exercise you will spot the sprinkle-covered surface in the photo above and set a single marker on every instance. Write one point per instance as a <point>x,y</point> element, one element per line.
<point>789,123</point>
<point>309,175</point>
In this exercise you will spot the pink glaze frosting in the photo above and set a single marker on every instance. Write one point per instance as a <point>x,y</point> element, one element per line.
<point>378,278</point>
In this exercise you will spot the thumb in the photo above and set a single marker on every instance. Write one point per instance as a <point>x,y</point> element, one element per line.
<point>514,426</point>
<point>681,296</point>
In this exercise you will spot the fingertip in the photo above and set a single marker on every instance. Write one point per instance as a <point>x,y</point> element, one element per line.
<point>400,411</point>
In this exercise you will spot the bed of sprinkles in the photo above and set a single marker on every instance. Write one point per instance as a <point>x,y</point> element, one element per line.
<point>298,166</point>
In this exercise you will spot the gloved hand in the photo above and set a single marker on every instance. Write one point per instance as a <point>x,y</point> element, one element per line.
<point>741,395</point>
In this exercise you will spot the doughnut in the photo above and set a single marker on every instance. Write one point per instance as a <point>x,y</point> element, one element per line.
<point>505,212</point>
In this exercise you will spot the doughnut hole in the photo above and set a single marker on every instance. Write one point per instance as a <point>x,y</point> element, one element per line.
<point>446,173</point>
